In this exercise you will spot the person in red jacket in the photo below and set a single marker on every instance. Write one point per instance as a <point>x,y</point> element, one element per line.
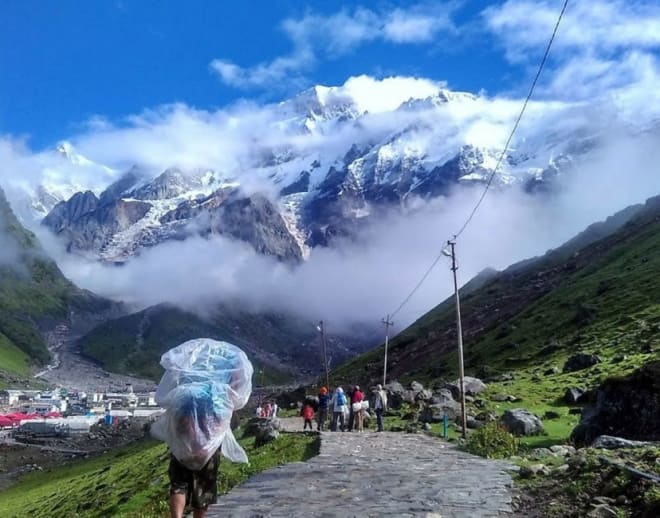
<point>307,414</point>
<point>356,401</point>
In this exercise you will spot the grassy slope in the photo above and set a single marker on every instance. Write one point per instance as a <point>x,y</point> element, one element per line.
<point>116,346</point>
<point>133,480</point>
<point>33,291</point>
<point>603,300</point>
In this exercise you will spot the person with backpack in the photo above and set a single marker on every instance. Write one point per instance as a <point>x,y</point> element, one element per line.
<point>339,407</point>
<point>307,414</point>
<point>380,405</point>
<point>324,403</point>
<point>356,407</point>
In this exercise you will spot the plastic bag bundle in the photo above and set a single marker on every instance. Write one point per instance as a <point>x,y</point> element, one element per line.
<point>205,381</point>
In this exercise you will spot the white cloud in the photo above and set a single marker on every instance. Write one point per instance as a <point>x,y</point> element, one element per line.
<point>599,25</point>
<point>316,36</point>
<point>403,26</point>
<point>510,225</point>
<point>603,48</point>
<point>363,279</point>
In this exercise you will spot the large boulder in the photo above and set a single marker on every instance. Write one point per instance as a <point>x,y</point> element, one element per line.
<point>416,386</point>
<point>580,361</point>
<point>442,404</point>
<point>395,394</point>
<point>520,421</point>
<point>627,407</point>
<point>263,430</point>
<point>473,386</point>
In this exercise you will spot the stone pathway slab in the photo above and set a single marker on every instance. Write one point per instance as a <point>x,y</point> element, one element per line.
<point>373,474</point>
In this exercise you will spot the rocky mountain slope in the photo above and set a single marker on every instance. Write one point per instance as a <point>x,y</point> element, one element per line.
<point>326,164</point>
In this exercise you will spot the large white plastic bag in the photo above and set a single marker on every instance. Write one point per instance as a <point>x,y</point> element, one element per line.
<point>205,381</point>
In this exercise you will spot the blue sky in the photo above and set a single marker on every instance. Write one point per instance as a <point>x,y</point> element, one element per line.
<point>66,63</point>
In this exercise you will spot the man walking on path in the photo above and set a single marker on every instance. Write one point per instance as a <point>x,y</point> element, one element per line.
<point>380,405</point>
<point>339,403</point>
<point>324,403</point>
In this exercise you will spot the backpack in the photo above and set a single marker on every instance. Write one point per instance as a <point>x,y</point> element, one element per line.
<point>341,399</point>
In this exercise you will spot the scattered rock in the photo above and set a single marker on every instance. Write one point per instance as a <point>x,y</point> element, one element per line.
<point>533,470</point>
<point>520,421</point>
<point>551,414</point>
<point>539,453</point>
<point>562,451</point>
<point>549,350</point>
<point>473,386</point>
<point>499,397</point>
<point>573,395</point>
<point>424,395</point>
<point>580,361</point>
<point>551,371</point>
<point>473,424</point>
<point>574,411</point>
<point>602,511</point>
<point>618,358</point>
<point>612,443</point>
<point>416,386</point>
<point>486,417</point>
<point>435,412</point>
<point>560,469</point>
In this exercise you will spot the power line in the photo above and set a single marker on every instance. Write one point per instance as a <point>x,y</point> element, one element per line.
<point>515,126</point>
<point>419,285</point>
<point>499,161</point>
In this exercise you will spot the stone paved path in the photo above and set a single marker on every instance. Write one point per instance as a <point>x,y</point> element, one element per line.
<point>375,474</point>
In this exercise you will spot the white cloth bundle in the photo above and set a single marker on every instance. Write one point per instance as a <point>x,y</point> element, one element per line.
<point>205,381</point>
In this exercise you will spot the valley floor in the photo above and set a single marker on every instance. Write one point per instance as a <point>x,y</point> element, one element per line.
<point>75,372</point>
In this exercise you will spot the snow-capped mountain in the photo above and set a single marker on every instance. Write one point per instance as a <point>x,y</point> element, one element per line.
<point>62,172</point>
<point>330,159</point>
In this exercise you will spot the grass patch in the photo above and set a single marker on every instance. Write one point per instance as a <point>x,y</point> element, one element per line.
<point>12,359</point>
<point>132,481</point>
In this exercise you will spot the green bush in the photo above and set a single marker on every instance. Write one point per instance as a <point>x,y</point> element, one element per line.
<point>492,441</point>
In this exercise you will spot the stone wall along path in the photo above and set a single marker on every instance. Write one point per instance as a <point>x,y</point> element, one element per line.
<point>372,475</point>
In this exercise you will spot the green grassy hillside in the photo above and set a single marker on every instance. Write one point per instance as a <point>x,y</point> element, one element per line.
<point>603,298</point>
<point>33,295</point>
<point>132,481</point>
<point>134,343</point>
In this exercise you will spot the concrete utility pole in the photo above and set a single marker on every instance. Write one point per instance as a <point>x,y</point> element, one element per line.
<point>387,323</point>
<point>459,330</point>
<point>321,329</point>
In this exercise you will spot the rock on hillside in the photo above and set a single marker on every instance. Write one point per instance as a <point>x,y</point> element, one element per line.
<point>627,407</point>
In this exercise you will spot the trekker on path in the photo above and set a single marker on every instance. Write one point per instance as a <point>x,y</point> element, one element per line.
<point>273,410</point>
<point>199,488</point>
<point>339,403</point>
<point>380,405</point>
<point>351,414</point>
<point>324,403</point>
<point>307,414</point>
<point>358,414</point>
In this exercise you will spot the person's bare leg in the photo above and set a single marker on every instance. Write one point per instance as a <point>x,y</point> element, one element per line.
<point>177,505</point>
<point>200,513</point>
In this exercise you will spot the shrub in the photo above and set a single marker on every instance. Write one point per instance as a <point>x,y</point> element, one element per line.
<point>492,441</point>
